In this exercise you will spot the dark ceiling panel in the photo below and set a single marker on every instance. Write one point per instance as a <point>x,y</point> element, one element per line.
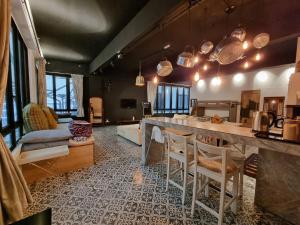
<point>277,17</point>
<point>77,30</point>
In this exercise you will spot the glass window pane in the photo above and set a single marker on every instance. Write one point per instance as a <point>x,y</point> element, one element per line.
<point>160,97</point>
<point>168,97</point>
<point>180,97</point>
<point>4,114</point>
<point>8,140</point>
<point>174,98</point>
<point>18,134</point>
<point>49,87</point>
<point>61,92</point>
<point>73,101</point>
<point>186,98</point>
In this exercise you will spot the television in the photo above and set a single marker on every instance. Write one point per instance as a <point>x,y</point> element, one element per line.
<point>128,103</point>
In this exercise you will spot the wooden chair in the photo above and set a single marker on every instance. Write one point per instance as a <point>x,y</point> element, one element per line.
<point>214,163</point>
<point>96,110</point>
<point>179,150</point>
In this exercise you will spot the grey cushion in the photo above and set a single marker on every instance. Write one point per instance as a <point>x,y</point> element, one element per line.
<point>41,136</point>
<point>36,146</point>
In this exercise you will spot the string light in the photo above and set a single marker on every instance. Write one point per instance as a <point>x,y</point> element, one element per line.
<point>196,76</point>
<point>246,65</point>
<point>257,56</point>
<point>245,45</point>
<point>205,67</point>
<point>155,80</point>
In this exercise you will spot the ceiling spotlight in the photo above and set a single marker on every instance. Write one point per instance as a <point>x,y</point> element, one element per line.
<point>167,46</point>
<point>119,56</point>
<point>245,45</point>
<point>246,65</point>
<point>155,80</point>
<point>205,67</point>
<point>257,57</point>
<point>196,76</point>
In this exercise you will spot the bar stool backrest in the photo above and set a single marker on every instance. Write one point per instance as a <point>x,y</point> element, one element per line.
<point>157,135</point>
<point>212,153</point>
<point>177,142</point>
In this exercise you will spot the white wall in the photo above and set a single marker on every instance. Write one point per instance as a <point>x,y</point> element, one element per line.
<point>272,81</point>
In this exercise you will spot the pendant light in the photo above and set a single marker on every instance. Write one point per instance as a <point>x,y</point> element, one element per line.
<point>186,58</point>
<point>140,81</point>
<point>164,67</point>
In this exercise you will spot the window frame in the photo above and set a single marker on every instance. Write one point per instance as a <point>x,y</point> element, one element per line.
<point>170,111</point>
<point>21,79</point>
<point>68,92</point>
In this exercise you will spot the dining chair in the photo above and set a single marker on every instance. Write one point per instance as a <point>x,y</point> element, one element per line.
<point>179,150</point>
<point>214,163</point>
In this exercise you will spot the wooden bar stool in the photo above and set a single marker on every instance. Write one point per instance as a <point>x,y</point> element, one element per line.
<point>179,150</point>
<point>214,163</point>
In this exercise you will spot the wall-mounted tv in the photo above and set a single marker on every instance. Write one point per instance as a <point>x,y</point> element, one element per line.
<point>128,103</point>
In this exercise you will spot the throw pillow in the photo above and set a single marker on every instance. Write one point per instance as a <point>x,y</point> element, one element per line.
<point>53,113</point>
<point>34,118</point>
<point>51,120</point>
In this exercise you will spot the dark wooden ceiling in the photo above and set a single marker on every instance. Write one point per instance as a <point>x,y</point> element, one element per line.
<point>210,22</point>
<point>77,30</point>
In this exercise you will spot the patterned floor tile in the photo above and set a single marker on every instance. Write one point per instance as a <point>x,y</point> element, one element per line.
<point>118,190</point>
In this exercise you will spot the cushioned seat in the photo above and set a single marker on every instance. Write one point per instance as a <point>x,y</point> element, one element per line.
<point>215,165</point>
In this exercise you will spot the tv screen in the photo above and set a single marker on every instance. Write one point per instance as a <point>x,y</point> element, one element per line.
<point>128,103</point>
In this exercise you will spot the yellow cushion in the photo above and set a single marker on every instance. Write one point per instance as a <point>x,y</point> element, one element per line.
<point>34,118</point>
<point>51,120</point>
<point>53,113</point>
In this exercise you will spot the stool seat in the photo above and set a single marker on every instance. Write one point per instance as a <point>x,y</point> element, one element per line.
<point>216,165</point>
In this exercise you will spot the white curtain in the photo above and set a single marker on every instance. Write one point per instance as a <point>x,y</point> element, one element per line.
<point>78,91</point>
<point>151,93</point>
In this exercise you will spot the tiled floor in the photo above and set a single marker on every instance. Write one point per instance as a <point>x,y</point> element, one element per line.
<point>119,191</point>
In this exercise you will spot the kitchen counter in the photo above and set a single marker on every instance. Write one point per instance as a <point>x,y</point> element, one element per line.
<point>278,178</point>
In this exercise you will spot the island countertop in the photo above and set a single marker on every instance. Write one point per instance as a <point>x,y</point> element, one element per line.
<point>229,132</point>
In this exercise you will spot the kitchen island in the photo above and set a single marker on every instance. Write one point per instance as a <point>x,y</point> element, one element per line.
<point>278,179</point>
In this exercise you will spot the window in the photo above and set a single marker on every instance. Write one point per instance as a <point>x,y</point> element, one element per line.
<point>17,90</point>
<point>172,99</point>
<point>60,93</point>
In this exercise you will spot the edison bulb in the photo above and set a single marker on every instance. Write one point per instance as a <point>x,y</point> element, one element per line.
<point>245,45</point>
<point>257,57</point>
<point>196,76</point>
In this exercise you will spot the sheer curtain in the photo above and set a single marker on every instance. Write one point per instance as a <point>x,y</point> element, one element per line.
<point>78,91</point>
<point>14,193</point>
<point>151,93</point>
<point>42,93</point>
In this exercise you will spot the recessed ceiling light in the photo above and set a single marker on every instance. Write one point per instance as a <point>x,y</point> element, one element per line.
<point>205,67</point>
<point>245,45</point>
<point>196,76</point>
<point>257,57</point>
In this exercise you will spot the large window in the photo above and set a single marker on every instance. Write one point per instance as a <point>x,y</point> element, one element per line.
<point>60,93</point>
<point>17,91</point>
<point>172,99</point>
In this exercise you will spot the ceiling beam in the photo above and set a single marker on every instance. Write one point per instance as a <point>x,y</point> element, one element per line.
<point>153,11</point>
